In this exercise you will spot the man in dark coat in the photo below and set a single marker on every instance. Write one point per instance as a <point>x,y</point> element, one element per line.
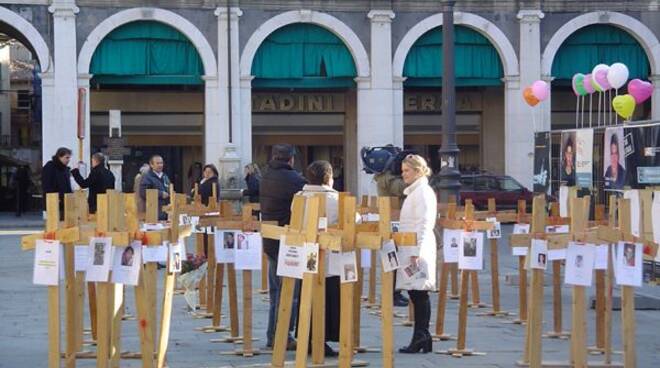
<point>278,186</point>
<point>99,180</point>
<point>156,179</point>
<point>21,182</point>
<point>56,176</point>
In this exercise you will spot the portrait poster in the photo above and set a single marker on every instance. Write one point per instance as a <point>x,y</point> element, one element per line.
<point>539,254</point>
<point>248,251</point>
<point>642,151</point>
<point>333,263</point>
<point>127,263</point>
<point>155,253</point>
<point>290,260</point>
<point>541,179</point>
<point>389,257</point>
<point>635,222</point>
<point>365,257</point>
<point>311,258</point>
<point>176,255</point>
<point>614,159</point>
<point>225,244</point>
<point>567,158</point>
<point>629,264</point>
<point>579,264</point>
<point>470,256</point>
<point>602,252</point>
<point>496,231</point>
<point>348,267</point>
<point>584,145</point>
<point>412,270</point>
<point>98,265</point>
<point>450,244</point>
<point>47,258</point>
<point>521,228</point>
<point>80,258</point>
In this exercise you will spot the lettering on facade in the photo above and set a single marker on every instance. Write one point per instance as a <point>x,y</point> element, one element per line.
<point>431,102</point>
<point>297,103</point>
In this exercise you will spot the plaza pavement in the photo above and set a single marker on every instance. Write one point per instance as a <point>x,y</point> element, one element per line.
<point>23,325</point>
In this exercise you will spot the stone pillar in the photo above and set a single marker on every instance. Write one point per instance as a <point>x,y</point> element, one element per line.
<point>530,67</point>
<point>655,98</point>
<point>245,127</point>
<point>398,111</point>
<point>228,63</point>
<point>519,134</point>
<point>5,97</point>
<point>61,129</point>
<point>83,82</point>
<point>215,136</point>
<point>48,127</point>
<point>375,126</point>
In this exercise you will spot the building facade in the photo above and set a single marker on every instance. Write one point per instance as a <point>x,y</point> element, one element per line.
<point>210,82</point>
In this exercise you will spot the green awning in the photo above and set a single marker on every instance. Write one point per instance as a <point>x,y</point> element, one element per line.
<point>303,55</point>
<point>146,53</point>
<point>477,62</point>
<point>599,44</point>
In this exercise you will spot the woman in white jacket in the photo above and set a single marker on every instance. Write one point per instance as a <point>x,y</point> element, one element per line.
<point>417,275</point>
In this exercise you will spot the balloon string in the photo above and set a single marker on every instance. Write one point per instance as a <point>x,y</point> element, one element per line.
<point>582,112</point>
<point>599,105</point>
<point>590,109</point>
<point>577,107</point>
<point>616,117</point>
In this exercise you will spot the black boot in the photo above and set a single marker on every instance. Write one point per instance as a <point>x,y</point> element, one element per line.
<point>420,342</point>
<point>400,300</point>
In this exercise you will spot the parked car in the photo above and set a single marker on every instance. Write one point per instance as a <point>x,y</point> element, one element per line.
<point>505,189</point>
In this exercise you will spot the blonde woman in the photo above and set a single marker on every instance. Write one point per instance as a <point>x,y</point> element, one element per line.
<point>418,214</point>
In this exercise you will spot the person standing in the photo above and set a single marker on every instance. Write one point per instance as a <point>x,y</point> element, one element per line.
<point>99,180</point>
<point>155,178</point>
<point>277,188</point>
<point>252,180</point>
<point>210,177</point>
<point>21,183</point>
<point>418,214</point>
<point>320,177</point>
<point>56,176</point>
<point>136,187</point>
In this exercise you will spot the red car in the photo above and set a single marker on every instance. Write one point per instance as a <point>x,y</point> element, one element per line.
<point>505,189</point>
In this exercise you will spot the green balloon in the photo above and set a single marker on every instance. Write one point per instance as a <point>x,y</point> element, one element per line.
<point>578,85</point>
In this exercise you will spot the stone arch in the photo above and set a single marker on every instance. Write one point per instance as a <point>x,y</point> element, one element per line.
<point>31,35</point>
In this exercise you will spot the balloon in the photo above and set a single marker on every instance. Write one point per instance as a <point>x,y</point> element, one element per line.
<point>529,97</point>
<point>587,84</point>
<point>541,90</point>
<point>601,79</point>
<point>617,75</point>
<point>595,80</point>
<point>640,90</point>
<point>578,87</point>
<point>624,105</point>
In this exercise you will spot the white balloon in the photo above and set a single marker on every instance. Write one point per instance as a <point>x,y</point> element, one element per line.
<point>593,76</point>
<point>617,75</point>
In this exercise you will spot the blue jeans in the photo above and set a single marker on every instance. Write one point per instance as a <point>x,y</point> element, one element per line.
<point>274,289</point>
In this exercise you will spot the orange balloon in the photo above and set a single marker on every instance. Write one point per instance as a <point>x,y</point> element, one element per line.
<point>529,97</point>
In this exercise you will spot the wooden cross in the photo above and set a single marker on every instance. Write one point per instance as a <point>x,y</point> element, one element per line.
<point>600,277</point>
<point>468,224</point>
<point>445,269</point>
<point>522,218</point>
<point>369,205</point>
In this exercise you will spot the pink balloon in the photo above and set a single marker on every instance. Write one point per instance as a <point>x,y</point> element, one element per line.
<point>601,78</point>
<point>587,84</point>
<point>640,90</point>
<point>540,90</point>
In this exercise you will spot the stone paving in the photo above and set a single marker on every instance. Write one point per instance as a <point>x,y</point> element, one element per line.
<point>23,338</point>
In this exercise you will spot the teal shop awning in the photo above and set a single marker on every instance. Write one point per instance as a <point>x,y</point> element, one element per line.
<point>596,44</point>
<point>146,53</point>
<point>303,55</point>
<point>477,62</point>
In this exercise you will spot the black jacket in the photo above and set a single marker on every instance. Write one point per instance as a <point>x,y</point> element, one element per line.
<point>252,191</point>
<point>206,190</point>
<point>56,178</point>
<point>151,181</point>
<point>99,180</point>
<point>276,190</point>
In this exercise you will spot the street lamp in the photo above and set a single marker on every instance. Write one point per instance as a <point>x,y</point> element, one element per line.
<point>449,176</point>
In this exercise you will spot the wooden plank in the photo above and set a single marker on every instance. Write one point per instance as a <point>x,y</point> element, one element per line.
<point>579,323</point>
<point>318,293</point>
<point>72,314</point>
<point>627,295</point>
<point>387,287</point>
<point>116,223</point>
<point>347,289</point>
<point>535,318</point>
<point>102,292</point>
<point>233,300</point>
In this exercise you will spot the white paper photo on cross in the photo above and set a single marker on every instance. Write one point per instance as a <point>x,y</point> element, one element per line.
<point>155,253</point>
<point>127,263</point>
<point>80,257</point>
<point>333,263</point>
<point>247,255</point>
<point>521,228</point>
<point>389,257</point>
<point>602,252</point>
<point>290,260</point>
<point>496,231</point>
<point>563,201</point>
<point>365,258</point>
<point>412,268</point>
<point>225,244</point>
<point>633,196</point>
<point>579,264</point>
<point>175,257</point>
<point>311,258</point>
<point>348,267</point>
<point>47,258</point>
<point>539,254</point>
<point>98,265</point>
<point>450,244</point>
<point>470,257</point>
<point>629,264</point>
<point>557,229</point>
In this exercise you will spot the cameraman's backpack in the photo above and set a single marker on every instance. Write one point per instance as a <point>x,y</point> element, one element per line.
<point>378,159</point>
<point>395,164</point>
